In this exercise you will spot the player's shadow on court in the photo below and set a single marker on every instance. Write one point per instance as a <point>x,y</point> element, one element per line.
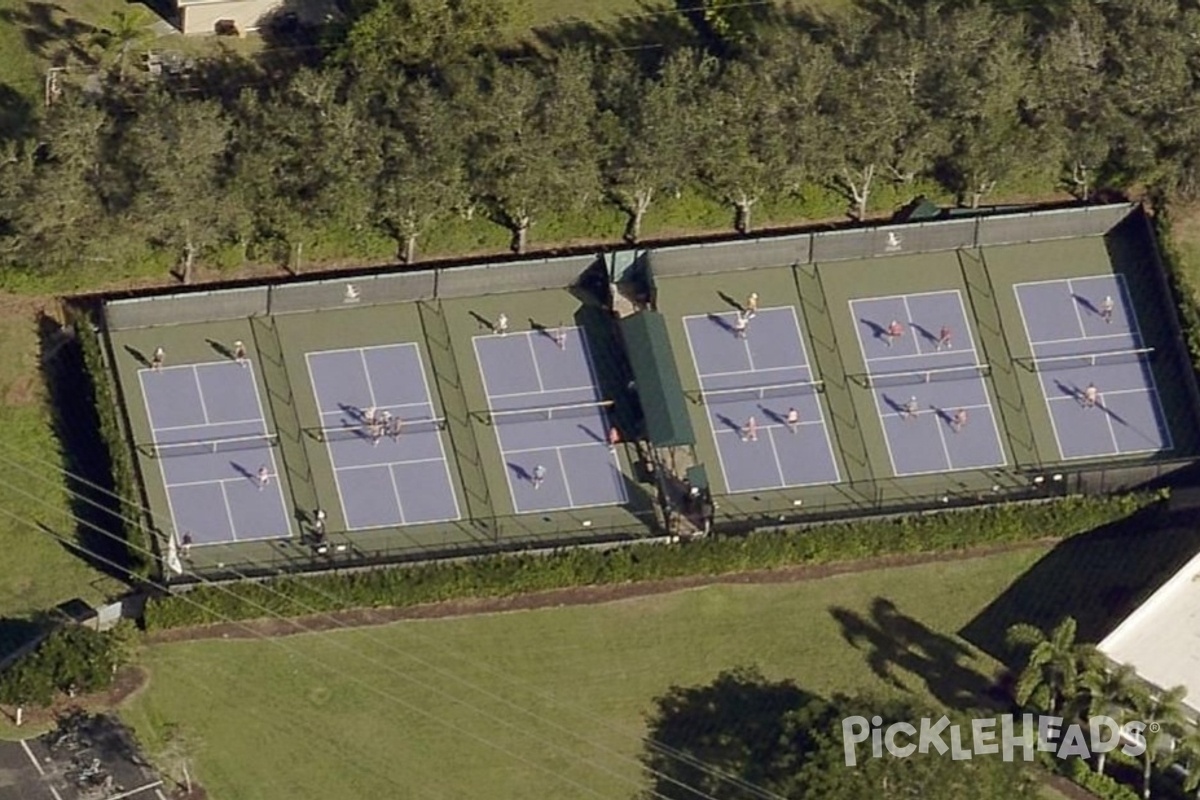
<point>245,473</point>
<point>894,405</point>
<point>925,333</point>
<point>137,356</point>
<point>943,415</point>
<point>221,349</point>
<point>720,323</point>
<point>1087,304</point>
<point>731,302</point>
<point>484,322</point>
<point>728,423</point>
<point>356,414</point>
<point>521,473</point>
<point>1073,392</point>
<point>1117,418</point>
<point>774,416</point>
<point>540,329</point>
<point>877,330</point>
<point>591,434</point>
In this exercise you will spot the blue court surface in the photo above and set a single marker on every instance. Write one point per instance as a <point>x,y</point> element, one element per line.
<point>393,480</point>
<point>761,376</point>
<point>1073,345</point>
<point>211,440</point>
<point>941,378</point>
<point>543,403</point>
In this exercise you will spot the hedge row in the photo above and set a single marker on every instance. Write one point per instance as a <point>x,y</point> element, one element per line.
<point>1102,786</point>
<point>117,446</point>
<point>71,659</point>
<point>1183,284</point>
<point>507,575</point>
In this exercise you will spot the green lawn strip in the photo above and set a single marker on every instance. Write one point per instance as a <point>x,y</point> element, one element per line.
<point>417,696</point>
<point>507,575</point>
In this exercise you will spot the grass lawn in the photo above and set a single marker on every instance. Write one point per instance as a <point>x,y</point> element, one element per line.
<point>423,709</point>
<point>37,572</point>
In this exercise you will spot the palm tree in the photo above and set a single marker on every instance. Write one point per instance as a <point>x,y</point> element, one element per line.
<point>125,29</point>
<point>1165,721</point>
<point>1188,750</point>
<point>1110,693</point>
<point>1049,680</point>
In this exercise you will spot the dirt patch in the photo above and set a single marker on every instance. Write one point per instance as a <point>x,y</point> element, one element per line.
<point>129,681</point>
<point>573,596</point>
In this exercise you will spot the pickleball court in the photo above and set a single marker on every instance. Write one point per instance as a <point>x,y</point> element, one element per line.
<point>390,480</point>
<point>547,412</point>
<point>938,378</point>
<point>763,375</point>
<point>1074,344</point>
<point>211,440</point>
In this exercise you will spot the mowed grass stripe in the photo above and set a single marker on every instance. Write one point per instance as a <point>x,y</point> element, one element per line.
<point>257,708</point>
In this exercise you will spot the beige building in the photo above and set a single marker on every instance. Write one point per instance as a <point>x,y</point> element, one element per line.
<point>228,16</point>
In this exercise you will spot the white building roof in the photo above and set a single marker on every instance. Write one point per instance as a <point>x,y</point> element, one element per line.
<point>1161,639</point>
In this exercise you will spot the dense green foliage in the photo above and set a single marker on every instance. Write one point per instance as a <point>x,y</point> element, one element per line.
<point>786,742</point>
<point>505,575</point>
<point>413,123</point>
<point>1062,677</point>
<point>124,518</point>
<point>70,659</point>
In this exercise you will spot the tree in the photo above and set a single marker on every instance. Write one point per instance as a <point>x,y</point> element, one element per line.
<point>126,29</point>
<point>649,124</point>
<point>1110,692</point>
<point>1050,678</point>
<point>1188,752</point>
<point>176,150</point>
<point>533,148</point>
<point>743,731</point>
<point>1164,719</point>
<point>422,176</point>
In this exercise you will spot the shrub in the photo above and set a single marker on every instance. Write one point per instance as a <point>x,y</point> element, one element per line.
<point>507,575</point>
<point>71,658</point>
<point>117,446</point>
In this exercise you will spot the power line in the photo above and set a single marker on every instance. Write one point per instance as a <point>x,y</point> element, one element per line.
<point>671,752</point>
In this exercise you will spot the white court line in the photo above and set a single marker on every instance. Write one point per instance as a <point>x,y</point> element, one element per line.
<point>364,348</point>
<point>512,334</point>
<point>536,369</point>
<point>1075,305</point>
<point>952,468</point>
<point>1112,434</point>
<point>748,372</point>
<point>558,447</point>
<point>930,293</point>
<point>191,366</point>
<point>873,359</point>
<point>229,512</point>
<point>441,444</point>
<point>563,469</point>
<point>396,493</point>
<point>591,389</point>
<point>388,464</point>
<point>1130,312</point>
<point>1144,389</point>
<point>908,316</point>
<point>775,455</point>
<point>587,357</point>
<point>962,317</point>
<point>1127,334</point>
<point>209,425</point>
<point>362,357</point>
<point>937,423</point>
<point>776,426</point>
<point>716,443</point>
<point>1033,352</point>
<point>205,483</point>
<point>200,392</point>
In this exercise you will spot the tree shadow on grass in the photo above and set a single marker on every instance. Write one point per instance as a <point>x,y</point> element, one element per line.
<point>88,472</point>
<point>1097,577</point>
<point>51,33</point>
<point>894,641</point>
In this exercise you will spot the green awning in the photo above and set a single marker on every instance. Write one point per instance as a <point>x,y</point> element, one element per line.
<point>657,380</point>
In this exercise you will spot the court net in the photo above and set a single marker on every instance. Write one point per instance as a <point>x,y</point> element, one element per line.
<point>960,373</point>
<point>573,411</point>
<point>1103,359</point>
<point>209,446</point>
<point>367,433</point>
<point>774,391</point>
